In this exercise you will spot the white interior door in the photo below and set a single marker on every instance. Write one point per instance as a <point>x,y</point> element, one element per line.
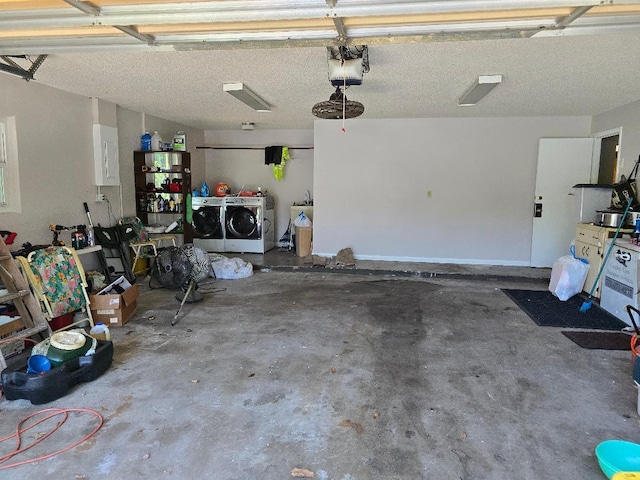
<point>562,163</point>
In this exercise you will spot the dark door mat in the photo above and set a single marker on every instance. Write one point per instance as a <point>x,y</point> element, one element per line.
<point>548,311</point>
<point>600,340</point>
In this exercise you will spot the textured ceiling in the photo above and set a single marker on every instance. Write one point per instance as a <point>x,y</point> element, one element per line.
<point>409,78</point>
<point>542,76</point>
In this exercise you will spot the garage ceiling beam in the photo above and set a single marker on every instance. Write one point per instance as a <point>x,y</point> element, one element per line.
<point>131,31</point>
<point>252,10</point>
<point>173,25</point>
<point>572,17</point>
<point>84,7</point>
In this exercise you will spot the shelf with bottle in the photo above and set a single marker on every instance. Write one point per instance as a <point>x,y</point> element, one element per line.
<point>146,170</point>
<point>162,186</point>
<point>160,202</point>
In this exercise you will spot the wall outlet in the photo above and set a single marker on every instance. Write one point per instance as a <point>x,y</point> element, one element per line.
<point>100,197</point>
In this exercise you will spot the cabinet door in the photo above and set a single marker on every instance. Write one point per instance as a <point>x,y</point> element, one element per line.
<point>593,254</point>
<point>590,233</point>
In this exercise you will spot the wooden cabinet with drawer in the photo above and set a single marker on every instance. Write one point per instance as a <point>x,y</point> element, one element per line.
<point>591,245</point>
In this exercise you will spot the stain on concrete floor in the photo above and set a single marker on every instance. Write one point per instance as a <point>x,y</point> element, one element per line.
<point>351,377</point>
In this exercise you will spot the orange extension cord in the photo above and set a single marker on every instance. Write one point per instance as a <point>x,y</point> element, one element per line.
<point>50,413</point>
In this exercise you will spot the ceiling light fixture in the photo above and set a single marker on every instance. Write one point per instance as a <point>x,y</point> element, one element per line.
<point>479,89</point>
<point>248,125</point>
<point>246,96</point>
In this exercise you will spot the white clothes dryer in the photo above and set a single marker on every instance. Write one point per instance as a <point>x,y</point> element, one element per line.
<point>249,224</point>
<point>208,223</point>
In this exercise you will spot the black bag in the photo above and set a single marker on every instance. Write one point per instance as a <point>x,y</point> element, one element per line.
<point>626,189</point>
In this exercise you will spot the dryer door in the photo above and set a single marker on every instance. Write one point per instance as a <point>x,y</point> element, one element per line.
<point>206,223</point>
<point>242,223</point>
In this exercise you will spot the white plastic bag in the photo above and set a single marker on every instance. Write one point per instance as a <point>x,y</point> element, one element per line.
<point>568,276</point>
<point>230,268</point>
<point>302,220</point>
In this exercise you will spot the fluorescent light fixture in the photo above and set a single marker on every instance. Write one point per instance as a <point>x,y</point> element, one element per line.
<point>248,125</point>
<point>246,96</point>
<point>478,90</point>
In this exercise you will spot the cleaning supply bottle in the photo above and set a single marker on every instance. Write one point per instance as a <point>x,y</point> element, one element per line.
<point>156,141</point>
<point>91,240</point>
<point>635,236</point>
<point>100,332</point>
<point>145,142</point>
<point>204,190</point>
<point>180,142</point>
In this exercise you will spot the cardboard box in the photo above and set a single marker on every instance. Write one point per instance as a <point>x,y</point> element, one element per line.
<point>115,309</point>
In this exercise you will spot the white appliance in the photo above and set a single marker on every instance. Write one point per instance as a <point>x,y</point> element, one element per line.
<point>208,223</point>
<point>588,199</point>
<point>620,279</point>
<point>249,224</point>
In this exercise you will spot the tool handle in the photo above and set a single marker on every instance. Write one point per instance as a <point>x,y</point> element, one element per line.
<point>86,209</point>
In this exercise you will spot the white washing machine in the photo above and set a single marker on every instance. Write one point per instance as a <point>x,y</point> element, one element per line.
<point>208,223</point>
<point>249,224</point>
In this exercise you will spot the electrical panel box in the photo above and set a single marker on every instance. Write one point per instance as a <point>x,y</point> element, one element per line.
<point>105,154</point>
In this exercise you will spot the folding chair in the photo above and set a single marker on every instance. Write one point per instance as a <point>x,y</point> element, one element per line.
<point>142,244</point>
<point>58,282</point>
<point>117,239</point>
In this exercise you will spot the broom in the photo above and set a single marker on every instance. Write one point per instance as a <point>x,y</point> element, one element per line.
<point>586,305</point>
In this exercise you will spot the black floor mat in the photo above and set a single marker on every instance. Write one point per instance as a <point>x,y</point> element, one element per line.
<point>548,311</point>
<point>600,340</point>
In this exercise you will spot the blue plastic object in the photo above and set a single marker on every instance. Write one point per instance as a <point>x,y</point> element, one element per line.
<point>51,385</point>
<point>204,190</point>
<point>145,142</point>
<point>38,364</point>
<point>618,456</point>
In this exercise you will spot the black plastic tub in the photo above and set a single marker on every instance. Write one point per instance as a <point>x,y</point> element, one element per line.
<point>51,385</point>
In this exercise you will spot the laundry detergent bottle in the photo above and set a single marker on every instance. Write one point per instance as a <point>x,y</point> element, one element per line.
<point>100,332</point>
<point>145,142</point>
<point>204,190</point>
<point>156,141</point>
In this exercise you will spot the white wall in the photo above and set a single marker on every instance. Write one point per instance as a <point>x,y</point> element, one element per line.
<point>246,167</point>
<point>627,117</point>
<point>371,185</point>
<point>55,150</point>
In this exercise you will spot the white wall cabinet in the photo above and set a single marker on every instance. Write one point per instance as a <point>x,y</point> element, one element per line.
<point>105,155</point>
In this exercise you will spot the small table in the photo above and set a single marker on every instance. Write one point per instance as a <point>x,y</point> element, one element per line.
<point>97,249</point>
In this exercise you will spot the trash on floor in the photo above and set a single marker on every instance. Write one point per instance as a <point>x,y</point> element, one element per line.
<point>225,268</point>
<point>302,473</point>
<point>345,258</point>
<point>568,276</point>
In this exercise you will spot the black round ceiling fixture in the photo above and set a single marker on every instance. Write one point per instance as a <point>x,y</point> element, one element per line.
<point>333,108</point>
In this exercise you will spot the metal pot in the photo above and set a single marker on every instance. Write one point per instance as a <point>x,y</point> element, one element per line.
<point>610,218</point>
<point>631,218</point>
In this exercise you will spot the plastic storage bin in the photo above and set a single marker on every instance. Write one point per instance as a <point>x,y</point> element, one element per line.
<point>51,385</point>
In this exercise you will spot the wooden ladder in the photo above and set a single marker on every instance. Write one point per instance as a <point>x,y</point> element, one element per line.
<point>16,290</point>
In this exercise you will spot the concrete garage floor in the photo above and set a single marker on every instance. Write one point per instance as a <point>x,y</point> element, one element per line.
<point>360,376</point>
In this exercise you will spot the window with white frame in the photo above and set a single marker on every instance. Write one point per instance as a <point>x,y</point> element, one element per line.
<point>9,176</point>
